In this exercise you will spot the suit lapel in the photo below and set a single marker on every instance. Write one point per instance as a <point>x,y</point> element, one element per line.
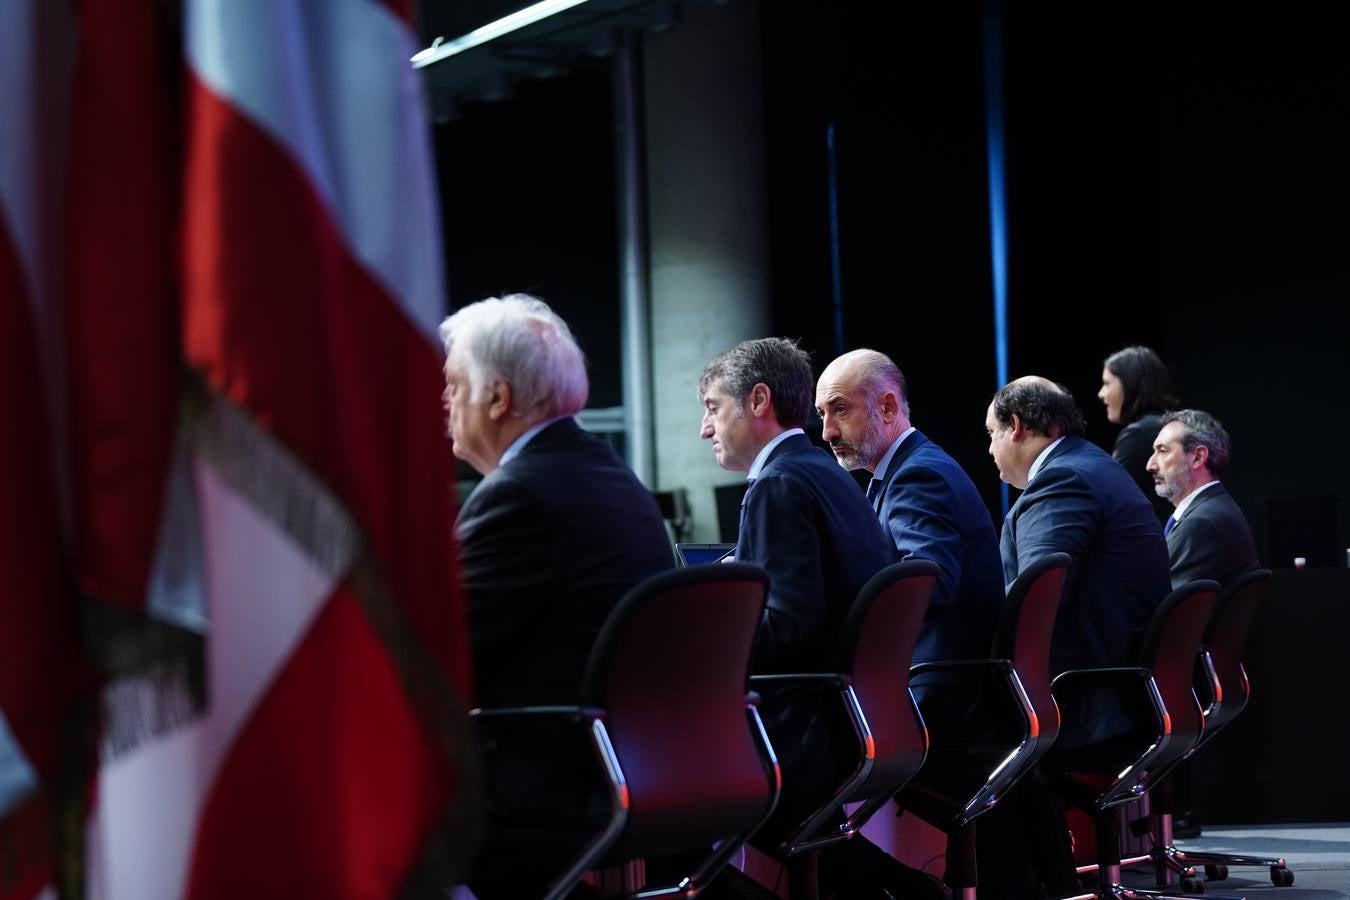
<point>1206,495</point>
<point>787,445</point>
<point>911,444</point>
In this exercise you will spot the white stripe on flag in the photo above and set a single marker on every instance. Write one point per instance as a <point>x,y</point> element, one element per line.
<point>317,78</point>
<point>17,778</point>
<point>18,128</point>
<point>265,592</point>
<point>18,216</point>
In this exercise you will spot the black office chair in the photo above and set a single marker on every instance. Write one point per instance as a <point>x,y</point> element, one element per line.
<point>1166,723</point>
<point>869,669</point>
<point>1223,690</point>
<point>966,775</point>
<point>683,753</point>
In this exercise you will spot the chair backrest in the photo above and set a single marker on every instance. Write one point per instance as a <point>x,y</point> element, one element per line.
<point>669,668</point>
<point>1024,631</point>
<point>876,646</point>
<point>1225,637</point>
<point>1169,649</point>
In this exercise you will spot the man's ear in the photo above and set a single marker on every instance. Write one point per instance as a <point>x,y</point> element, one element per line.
<point>761,400</point>
<point>1017,431</point>
<point>1201,457</point>
<point>888,406</point>
<point>499,400</point>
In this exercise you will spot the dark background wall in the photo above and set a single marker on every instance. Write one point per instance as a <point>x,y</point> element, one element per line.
<point>1176,177</point>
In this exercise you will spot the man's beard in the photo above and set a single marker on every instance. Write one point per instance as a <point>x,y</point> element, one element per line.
<point>1167,490</point>
<point>869,447</point>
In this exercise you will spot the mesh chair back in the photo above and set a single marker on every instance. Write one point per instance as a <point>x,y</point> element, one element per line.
<point>1169,649</point>
<point>1024,632</point>
<point>669,668</point>
<point>876,646</point>
<point>1234,610</point>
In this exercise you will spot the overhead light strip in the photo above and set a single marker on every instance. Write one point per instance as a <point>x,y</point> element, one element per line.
<point>535,12</point>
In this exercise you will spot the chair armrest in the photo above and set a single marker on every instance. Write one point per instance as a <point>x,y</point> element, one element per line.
<point>1076,679</point>
<point>833,679</point>
<point>507,712</point>
<point>954,665</point>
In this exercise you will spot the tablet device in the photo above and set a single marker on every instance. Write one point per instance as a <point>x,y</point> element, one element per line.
<point>700,554</point>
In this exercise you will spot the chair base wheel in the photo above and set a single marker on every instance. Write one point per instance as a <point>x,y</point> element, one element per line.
<point>1281,877</point>
<point>1216,873</point>
<point>1192,885</point>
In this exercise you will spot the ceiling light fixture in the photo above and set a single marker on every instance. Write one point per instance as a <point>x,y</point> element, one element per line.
<point>442,49</point>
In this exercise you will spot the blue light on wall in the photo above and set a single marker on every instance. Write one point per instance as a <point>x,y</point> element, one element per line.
<point>836,290</point>
<point>998,221</point>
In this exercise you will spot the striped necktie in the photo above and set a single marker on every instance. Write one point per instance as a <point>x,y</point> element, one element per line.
<point>873,488</point>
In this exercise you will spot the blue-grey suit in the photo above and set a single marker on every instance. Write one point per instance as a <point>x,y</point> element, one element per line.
<point>931,509</point>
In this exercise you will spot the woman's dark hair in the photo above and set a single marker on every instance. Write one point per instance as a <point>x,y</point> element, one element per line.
<point>1144,377</point>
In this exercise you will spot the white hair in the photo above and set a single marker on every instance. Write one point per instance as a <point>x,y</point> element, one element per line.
<point>519,340</point>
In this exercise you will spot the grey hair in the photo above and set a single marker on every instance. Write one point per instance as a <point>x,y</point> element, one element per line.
<point>1200,429</point>
<point>878,373</point>
<point>518,339</point>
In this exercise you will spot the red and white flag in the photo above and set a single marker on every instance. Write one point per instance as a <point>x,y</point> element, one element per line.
<point>254,288</point>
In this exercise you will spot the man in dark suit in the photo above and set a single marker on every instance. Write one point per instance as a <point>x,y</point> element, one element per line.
<point>924,499</point>
<point>805,521</point>
<point>931,510</point>
<point>556,533</point>
<point>1207,535</point>
<point>1078,500</point>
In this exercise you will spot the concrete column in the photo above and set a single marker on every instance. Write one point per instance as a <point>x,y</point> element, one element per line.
<point>707,227</point>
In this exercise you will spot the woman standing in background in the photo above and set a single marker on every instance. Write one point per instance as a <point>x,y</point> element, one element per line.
<point>1137,390</point>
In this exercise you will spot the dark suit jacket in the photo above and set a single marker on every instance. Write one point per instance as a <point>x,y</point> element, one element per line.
<point>932,511</point>
<point>806,522</point>
<point>551,541</point>
<point>1133,447</point>
<point>1211,540</point>
<point>1083,503</point>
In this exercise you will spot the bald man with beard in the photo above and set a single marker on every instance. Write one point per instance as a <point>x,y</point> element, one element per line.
<point>926,503</point>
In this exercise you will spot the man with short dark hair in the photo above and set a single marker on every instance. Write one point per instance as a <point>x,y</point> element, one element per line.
<point>1075,499</point>
<point>805,521</point>
<point>1207,535</point>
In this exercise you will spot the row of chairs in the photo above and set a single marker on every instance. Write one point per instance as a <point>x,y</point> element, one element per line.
<point>687,762</point>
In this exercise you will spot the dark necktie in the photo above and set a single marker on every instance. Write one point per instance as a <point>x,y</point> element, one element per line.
<point>1171,523</point>
<point>873,488</point>
<point>740,528</point>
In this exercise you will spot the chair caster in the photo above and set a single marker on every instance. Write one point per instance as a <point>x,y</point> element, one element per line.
<point>1192,885</point>
<point>1281,877</point>
<point>1218,873</point>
